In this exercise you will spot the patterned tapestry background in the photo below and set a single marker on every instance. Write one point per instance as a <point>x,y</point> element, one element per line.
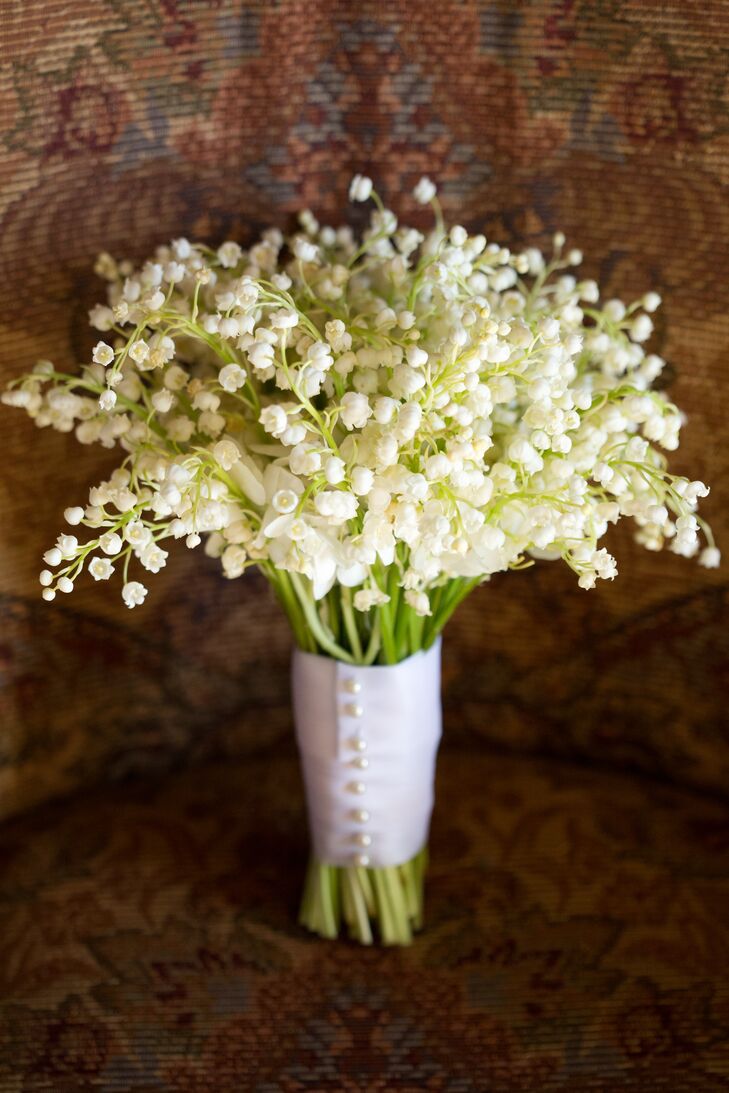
<point>128,122</point>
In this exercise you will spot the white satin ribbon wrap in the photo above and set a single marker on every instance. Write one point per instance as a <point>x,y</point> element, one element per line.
<point>389,716</point>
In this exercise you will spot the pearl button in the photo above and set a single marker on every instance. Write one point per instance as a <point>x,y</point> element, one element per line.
<point>352,686</point>
<point>363,839</point>
<point>357,787</point>
<point>353,709</point>
<point>361,815</point>
<point>358,743</point>
<point>360,762</point>
<point>361,859</point>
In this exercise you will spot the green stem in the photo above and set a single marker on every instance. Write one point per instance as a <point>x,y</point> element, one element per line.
<point>375,642</point>
<point>386,901</point>
<point>329,916</point>
<point>350,624</point>
<point>324,639</point>
<point>360,922</point>
<point>287,598</point>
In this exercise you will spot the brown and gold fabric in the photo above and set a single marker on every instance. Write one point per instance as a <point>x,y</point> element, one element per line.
<point>578,901</point>
<point>576,942</point>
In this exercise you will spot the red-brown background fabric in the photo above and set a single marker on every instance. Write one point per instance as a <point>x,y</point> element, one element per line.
<point>576,941</point>
<point>127,122</point>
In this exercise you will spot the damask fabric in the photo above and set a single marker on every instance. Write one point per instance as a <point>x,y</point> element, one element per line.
<point>127,122</point>
<point>577,941</point>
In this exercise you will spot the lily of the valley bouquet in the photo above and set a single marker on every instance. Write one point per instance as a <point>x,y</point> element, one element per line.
<point>378,424</point>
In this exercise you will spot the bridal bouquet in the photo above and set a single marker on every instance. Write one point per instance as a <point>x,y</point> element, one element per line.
<point>378,424</point>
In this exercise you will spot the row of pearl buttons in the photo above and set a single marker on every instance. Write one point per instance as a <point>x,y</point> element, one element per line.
<point>360,762</point>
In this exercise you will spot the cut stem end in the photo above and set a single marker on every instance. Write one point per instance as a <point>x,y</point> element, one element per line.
<point>384,903</point>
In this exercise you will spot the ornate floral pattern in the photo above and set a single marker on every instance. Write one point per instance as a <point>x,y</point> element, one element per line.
<point>577,941</point>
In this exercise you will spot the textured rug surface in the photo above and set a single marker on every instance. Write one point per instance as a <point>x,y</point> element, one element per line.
<point>577,940</point>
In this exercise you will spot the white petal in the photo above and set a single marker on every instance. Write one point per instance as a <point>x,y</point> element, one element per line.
<point>247,475</point>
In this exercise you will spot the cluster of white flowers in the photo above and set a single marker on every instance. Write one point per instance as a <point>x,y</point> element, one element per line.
<point>399,416</point>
